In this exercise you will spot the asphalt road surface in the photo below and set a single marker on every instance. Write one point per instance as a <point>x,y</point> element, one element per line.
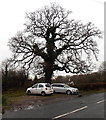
<point>91,106</point>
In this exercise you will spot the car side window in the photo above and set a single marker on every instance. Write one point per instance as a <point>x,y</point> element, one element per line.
<point>55,85</point>
<point>58,86</point>
<point>40,86</point>
<point>61,85</point>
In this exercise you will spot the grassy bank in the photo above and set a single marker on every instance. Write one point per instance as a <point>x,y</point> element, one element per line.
<point>10,96</point>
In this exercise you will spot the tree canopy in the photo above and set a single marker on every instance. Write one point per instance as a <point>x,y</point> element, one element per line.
<point>51,41</point>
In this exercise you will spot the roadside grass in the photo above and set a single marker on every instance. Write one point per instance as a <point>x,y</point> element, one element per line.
<point>14,93</point>
<point>11,96</point>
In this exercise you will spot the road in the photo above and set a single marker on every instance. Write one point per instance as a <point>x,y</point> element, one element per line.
<point>91,106</point>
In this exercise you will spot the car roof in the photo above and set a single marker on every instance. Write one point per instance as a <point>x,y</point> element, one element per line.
<point>43,83</point>
<point>59,84</point>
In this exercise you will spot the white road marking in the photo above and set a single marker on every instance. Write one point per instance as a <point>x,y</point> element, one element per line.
<point>70,112</point>
<point>100,101</point>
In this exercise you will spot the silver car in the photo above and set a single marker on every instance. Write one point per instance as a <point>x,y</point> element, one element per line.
<point>64,88</point>
<point>40,88</point>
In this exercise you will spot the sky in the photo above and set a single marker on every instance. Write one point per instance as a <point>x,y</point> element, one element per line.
<point>12,18</point>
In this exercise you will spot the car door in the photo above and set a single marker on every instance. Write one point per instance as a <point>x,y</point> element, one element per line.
<point>61,88</point>
<point>34,89</point>
<point>40,88</point>
<point>56,88</point>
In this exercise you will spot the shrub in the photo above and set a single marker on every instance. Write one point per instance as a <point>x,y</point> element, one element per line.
<point>4,100</point>
<point>91,86</point>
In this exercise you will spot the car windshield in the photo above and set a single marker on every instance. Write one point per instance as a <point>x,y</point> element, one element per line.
<point>35,86</point>
<point>66,86</point>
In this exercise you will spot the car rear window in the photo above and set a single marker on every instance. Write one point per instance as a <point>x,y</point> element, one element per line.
<point>48,85</point>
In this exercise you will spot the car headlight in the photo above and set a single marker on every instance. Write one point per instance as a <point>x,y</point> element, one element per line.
<point>74,90</point>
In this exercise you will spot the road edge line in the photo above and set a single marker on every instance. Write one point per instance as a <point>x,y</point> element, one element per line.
<point>70,112</point>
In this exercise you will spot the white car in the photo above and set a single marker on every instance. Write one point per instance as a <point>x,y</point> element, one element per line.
<point>64,88</point>
<point>40,88</point>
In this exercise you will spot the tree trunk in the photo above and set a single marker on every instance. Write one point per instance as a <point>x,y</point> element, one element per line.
<point>48,70</point>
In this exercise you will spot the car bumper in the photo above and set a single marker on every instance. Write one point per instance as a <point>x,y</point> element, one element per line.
<point>75,92</point>
<point>49,92</point>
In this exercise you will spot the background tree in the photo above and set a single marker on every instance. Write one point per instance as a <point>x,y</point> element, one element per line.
<point>102,71</point>
<point>51,41</point>
<point>5,69</point>
<point>13,78</point>
<point>102,67</point>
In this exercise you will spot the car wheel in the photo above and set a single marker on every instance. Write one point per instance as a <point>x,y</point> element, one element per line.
<point>43,93</point>
<point>29,92</point>
<point>68,92</point>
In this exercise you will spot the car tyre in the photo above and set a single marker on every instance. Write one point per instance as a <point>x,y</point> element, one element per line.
<point>29,92</point>
<point>43,93</point>
<point>68,92</point>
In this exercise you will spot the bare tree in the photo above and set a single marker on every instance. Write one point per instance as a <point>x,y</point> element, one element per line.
<point>52,42</point>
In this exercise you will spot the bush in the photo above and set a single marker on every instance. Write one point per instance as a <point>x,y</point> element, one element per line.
<point>4,100</point>
<point>91,86</point>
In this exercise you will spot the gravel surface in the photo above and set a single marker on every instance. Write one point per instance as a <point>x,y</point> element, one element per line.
<point>32,101</point>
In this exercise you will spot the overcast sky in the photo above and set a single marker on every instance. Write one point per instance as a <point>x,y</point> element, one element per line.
<point>12,18</point>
